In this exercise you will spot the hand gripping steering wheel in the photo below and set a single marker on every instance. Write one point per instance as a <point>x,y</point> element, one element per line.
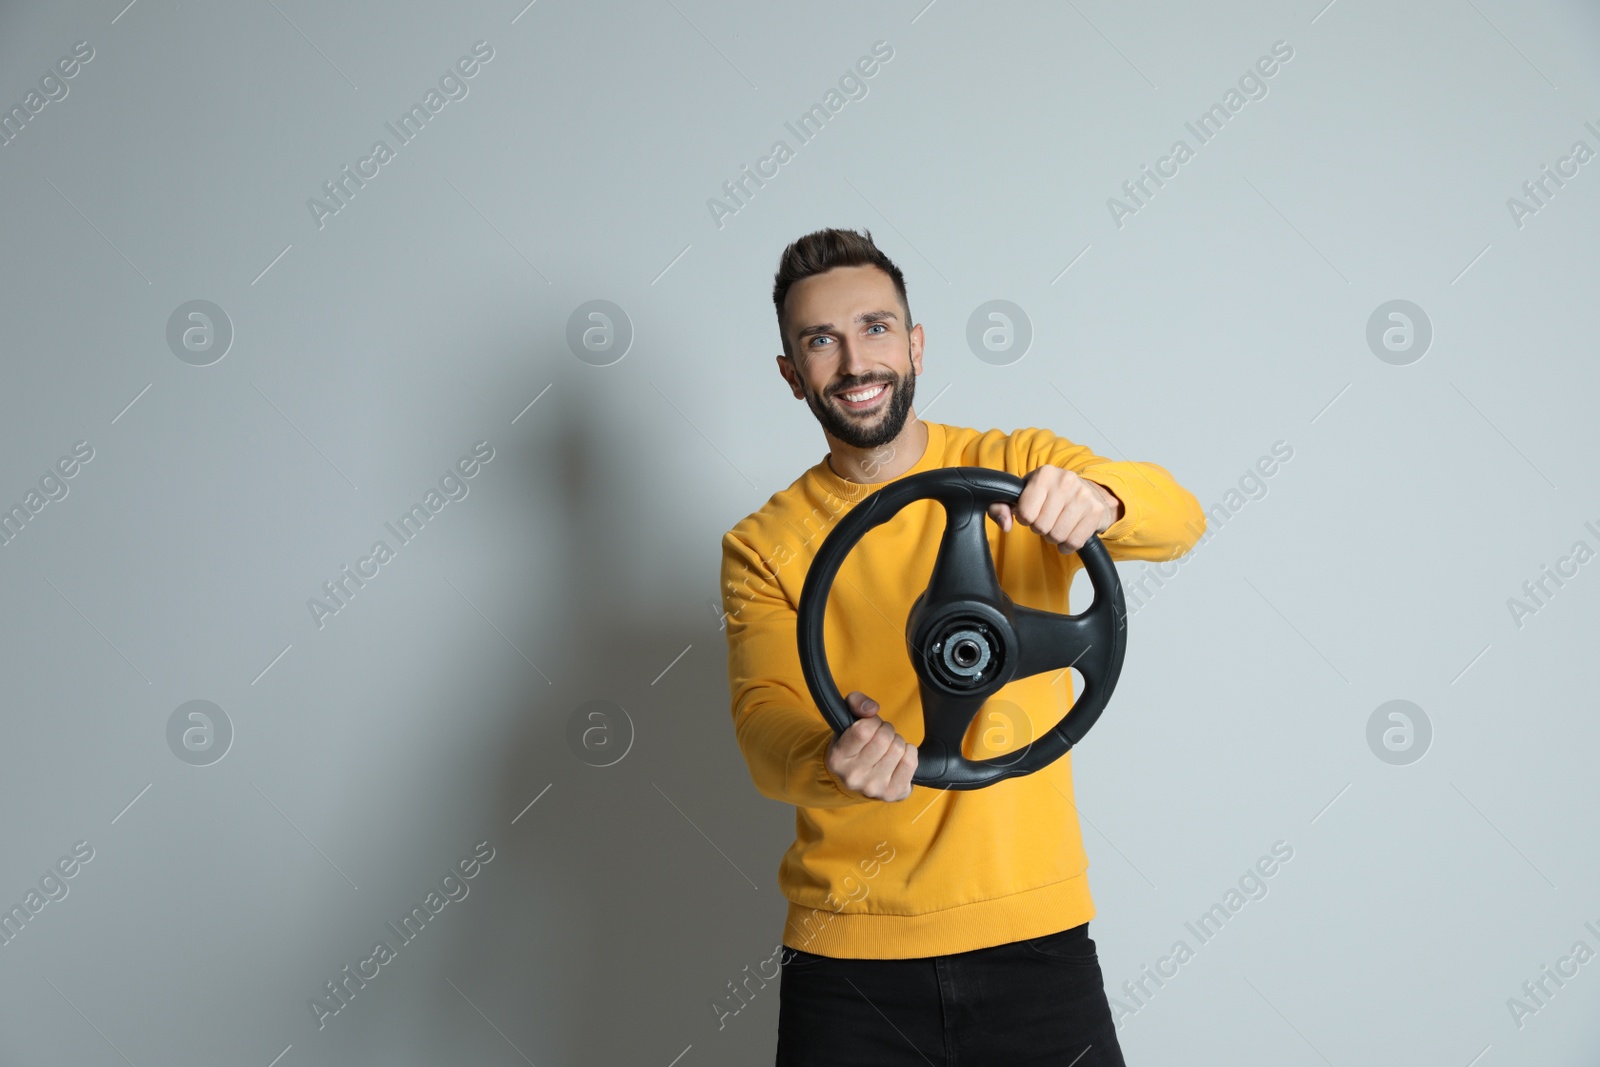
<point>965,636</point>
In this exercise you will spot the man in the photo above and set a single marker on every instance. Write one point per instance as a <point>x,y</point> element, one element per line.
<point>925,926</point>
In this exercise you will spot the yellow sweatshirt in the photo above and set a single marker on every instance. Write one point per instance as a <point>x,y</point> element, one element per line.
<point>942,871</point>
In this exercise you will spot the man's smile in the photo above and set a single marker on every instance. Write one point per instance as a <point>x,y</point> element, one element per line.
<point>864,398</point>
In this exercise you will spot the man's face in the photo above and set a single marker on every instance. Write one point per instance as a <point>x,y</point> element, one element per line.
<point>848,336</point>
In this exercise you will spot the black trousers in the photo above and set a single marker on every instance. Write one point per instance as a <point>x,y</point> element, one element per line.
<point>1039,1001</point>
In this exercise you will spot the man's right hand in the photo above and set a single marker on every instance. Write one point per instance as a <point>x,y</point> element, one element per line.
<point>870,757</point>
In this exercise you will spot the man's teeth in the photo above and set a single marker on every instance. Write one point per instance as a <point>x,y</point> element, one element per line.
<point>864,394</point>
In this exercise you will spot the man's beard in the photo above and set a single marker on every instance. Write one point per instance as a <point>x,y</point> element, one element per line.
<point>876,429</point>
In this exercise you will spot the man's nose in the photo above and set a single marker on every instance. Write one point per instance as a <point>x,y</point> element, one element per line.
<point>853,359</point>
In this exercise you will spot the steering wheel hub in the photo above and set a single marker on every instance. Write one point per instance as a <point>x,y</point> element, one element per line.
<point>965,651</point>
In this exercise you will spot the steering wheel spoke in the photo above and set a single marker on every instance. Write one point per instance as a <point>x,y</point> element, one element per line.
<point>1053,642</point>
<point>964,569</point>
<point>946,716</point>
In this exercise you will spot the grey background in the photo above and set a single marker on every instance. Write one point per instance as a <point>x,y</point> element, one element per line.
<point>429,714</point>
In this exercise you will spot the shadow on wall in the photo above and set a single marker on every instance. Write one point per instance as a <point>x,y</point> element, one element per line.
<point>607,893</point>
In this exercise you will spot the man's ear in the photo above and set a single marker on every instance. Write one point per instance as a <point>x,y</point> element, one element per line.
<point>791,375</point>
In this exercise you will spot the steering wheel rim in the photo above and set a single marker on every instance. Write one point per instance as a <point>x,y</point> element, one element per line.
<point>965,637</point>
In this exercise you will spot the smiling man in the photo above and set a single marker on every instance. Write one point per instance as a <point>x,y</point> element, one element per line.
<point>925,926</point>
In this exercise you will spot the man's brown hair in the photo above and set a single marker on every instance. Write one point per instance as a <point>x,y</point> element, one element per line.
<point>823,250</point>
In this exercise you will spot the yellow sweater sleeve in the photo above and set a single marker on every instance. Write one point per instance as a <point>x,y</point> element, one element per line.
<point>1161,520</point>
<point>783,736</point>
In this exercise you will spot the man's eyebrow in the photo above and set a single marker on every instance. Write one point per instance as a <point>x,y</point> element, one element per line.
<point>865,316</point>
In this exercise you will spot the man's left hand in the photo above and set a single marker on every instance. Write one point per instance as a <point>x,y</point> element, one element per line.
<point>1061,507</point>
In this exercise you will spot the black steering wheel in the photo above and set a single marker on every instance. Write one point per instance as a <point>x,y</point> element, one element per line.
<point>965,636</point>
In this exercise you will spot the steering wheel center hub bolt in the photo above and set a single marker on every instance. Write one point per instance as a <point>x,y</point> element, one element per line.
<point>965,652</point>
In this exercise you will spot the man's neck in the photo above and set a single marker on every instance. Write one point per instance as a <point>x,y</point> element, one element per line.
<point>871,465</point>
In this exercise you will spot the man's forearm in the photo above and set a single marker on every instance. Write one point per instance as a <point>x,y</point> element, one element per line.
<point>1157,519</point>
<point>786,748</point>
